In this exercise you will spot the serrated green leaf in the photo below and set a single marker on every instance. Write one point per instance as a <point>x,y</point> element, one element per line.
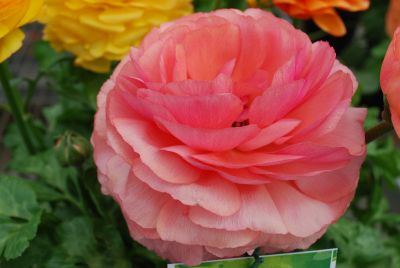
<point>19,216</point>
<point>44,165</point>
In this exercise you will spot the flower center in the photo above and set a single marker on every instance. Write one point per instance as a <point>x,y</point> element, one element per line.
<point>240,123</point>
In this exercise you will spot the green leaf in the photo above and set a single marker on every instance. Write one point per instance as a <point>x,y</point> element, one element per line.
<point>207,6</point>
<point>46,56</point>
<point>77,237</point>
<point>204,6</point>
<point>359,245</point>
<point>19,216</point>
<point>45,166</point>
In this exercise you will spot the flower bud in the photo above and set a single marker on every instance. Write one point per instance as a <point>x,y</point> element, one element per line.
<point>72,148</point>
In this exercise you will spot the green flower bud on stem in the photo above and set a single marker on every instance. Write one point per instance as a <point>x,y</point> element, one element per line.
<point>72,148</point>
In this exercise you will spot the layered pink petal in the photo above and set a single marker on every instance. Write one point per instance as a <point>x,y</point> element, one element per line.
<point>210,111</point>
<point>230,131</point>
<point>174,225</point>
<point>211,192</point>
<point>302,215</point>
<point>211,139</point>
<point>206,52</point>
<point>257,212</point>
<point>390,81</point>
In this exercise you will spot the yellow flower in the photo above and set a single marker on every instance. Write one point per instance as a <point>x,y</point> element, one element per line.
<point>14,14</point>
<point>100,31</point>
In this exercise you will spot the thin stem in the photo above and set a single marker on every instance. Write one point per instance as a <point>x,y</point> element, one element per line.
<point>378,131</point>
<point>16,108</point>
<point>257,260</point>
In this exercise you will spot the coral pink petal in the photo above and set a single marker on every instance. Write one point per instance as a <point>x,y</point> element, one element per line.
<point>211,111</point>
<point>150,61</point>
<point>331,186</point>
<point>320,65</point>
<point>118,175</point>
<point>394,104</point>
<point>221,84</point>
<point>142,108</point>
<point>140,233</point>
<point>302,215</point>
<point>175,252</point>
<point>174,225</point>
<point>100,118</point>
<point>146,141</point>
<point>102,152</point>
<point>228,131</point>
<point>210,139</point>
<point>211,192</point>
<point>348,132</point>
<point>316,159</point>
<point>258,212</point>
<point>339,67</point>
<point>270,134</point>
<point>318,107</point>
<point>275,103</point>
<point>141,203</point>
<point>240,176</point>
<point>207,52</point>
<point>237,159</point>
<point>252,40</point>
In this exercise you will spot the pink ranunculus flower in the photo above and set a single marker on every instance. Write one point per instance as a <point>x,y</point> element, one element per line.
<point>228,131</point>
<point>390,79</point>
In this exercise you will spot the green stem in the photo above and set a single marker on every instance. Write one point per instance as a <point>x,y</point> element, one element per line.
<point>378,131</point>
<point>257,260</point>
<point>16,108</point>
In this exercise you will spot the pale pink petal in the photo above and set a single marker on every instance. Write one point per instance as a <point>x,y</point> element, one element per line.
<point>174,225</point>
<point>257,212</point>
<point>288,242</point>
<point>332,185</point>
<point>140,233</point>
<point>102,152</point>
<point>302,215</point>
<point>100,117</point>
<point>316,159</point>
<point>141,203</point>
<point>349,132</point>
<point>210,192</point>
<point>118,175</point>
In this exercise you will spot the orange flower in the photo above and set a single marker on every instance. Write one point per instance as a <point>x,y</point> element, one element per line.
<point>258,3</point>
<point>322,12</point>
<point>393,17</point>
